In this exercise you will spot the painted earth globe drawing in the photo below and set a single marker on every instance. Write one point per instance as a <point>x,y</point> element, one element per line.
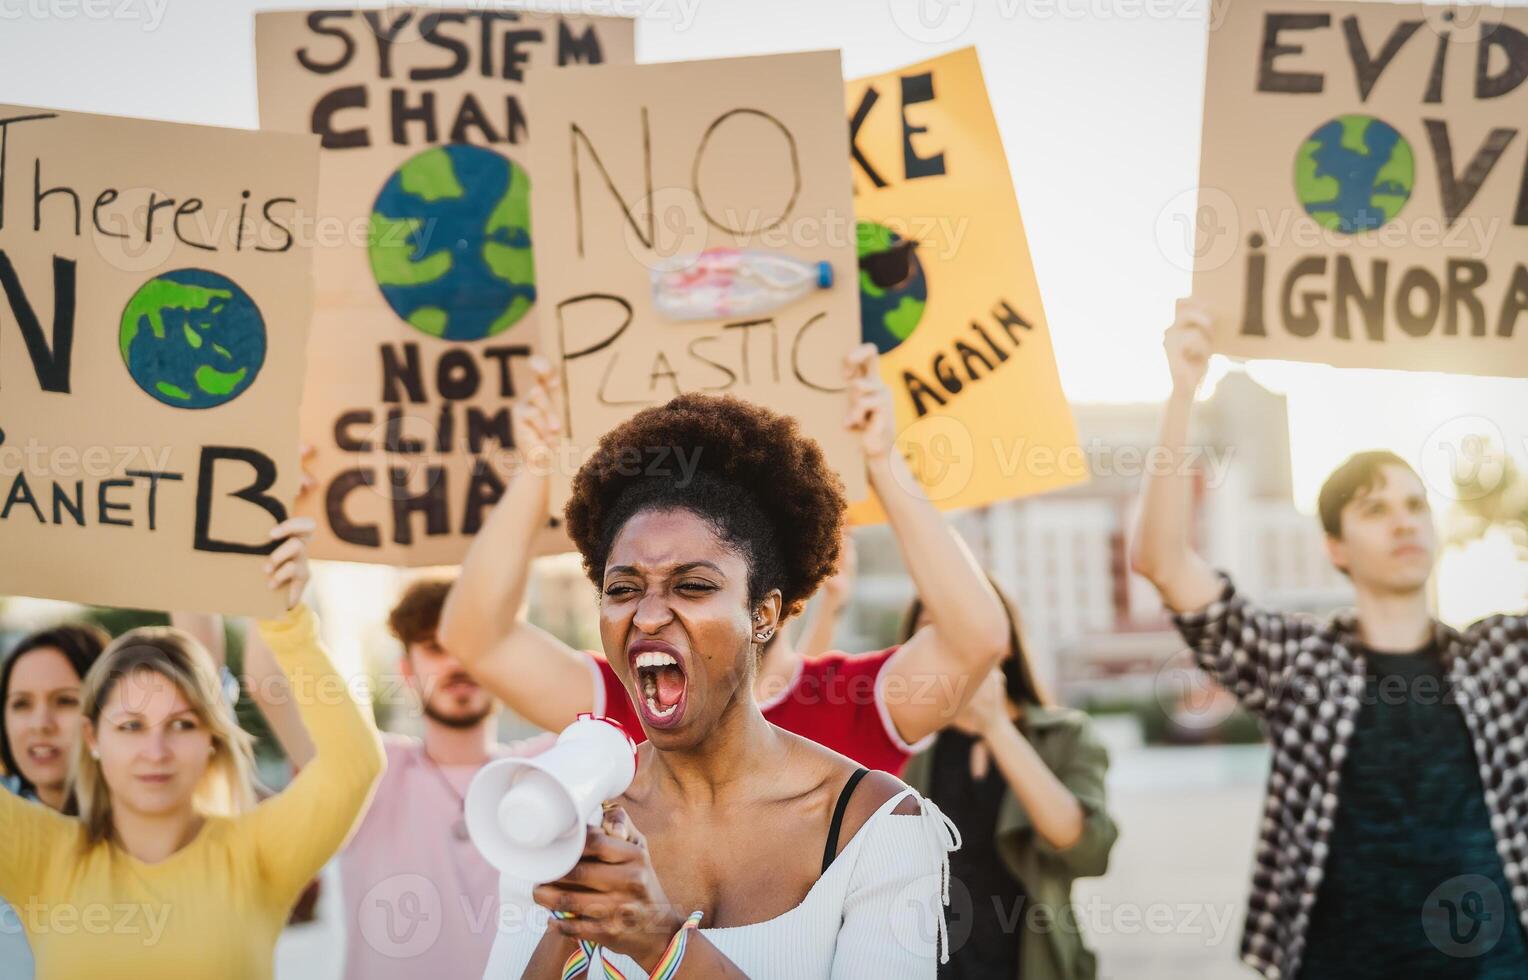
<point>192,338</point>
<point>893,290</point>
<point>450,242</point>
<point>1354,173</point>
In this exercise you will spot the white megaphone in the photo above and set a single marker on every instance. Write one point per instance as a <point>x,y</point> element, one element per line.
<point>528,816</point>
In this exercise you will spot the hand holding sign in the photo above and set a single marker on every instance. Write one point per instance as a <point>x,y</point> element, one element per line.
<point>309,482</point>
<point>538,415</point>
<point>287,568</point>
<point>840,587</point>
<point>871,415</point>
<point>1188,346</point>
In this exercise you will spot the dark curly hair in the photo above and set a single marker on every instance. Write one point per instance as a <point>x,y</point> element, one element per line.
<point>758,481</point>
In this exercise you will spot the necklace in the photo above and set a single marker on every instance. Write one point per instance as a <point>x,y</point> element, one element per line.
<point>459,826</point>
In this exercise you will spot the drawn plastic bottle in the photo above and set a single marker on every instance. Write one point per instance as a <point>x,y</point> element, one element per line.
<point>728,282</point>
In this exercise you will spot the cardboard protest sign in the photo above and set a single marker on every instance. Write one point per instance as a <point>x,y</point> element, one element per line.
<point>664,194</point>
<point>427,292</point>
<point>156,295</point>
<point>948,291</point>
<point>1364,185</point>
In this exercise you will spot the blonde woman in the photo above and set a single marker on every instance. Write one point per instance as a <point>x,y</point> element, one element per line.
<point>170,869</point>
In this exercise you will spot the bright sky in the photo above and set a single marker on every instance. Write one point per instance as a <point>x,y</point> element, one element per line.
<point>1098,101</point>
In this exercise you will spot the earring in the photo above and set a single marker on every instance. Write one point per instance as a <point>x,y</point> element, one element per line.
<point>95,754</point>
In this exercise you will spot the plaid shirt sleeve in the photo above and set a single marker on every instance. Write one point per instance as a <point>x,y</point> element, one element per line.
<point>1249,650</point>
<point>1498,646</point>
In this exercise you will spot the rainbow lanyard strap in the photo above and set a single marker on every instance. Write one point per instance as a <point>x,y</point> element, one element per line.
<point>668,965</point>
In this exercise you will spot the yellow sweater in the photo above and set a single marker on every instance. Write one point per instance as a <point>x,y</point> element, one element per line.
<point>215,907</point>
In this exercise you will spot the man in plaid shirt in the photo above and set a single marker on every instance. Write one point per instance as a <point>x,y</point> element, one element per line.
<point>1394,838</point>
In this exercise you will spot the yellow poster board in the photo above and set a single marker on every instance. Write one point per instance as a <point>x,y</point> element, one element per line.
<point>948,290</point>
<point>1363,194</point>
<point>155,294</point>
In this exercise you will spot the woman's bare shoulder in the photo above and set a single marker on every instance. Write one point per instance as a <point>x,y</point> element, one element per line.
<point>869,795</point>
<point>872,793</point>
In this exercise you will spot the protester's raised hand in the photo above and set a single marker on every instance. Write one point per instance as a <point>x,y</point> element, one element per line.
<point>1188,346</point>
<point>309,482</point>
<point>838,588</point>
<point>538,413</point>
<point>987,707</point>
<point>287,567</point>
<point>612,897</point>
<point>871,414</point>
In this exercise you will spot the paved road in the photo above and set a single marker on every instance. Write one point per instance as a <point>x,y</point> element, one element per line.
<point>1172,903</point>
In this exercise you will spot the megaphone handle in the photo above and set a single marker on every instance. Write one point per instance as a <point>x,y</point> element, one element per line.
<point>621,829</point>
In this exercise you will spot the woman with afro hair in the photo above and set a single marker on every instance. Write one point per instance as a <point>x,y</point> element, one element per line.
<point>740,849</point>
<point>876,708</point>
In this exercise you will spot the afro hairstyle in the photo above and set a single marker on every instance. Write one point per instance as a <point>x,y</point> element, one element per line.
<point>750,473</point>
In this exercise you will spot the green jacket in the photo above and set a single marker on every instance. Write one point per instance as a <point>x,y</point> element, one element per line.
<point>1052,946</point>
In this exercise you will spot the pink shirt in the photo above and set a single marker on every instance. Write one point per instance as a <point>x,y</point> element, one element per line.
<point>418,902</point>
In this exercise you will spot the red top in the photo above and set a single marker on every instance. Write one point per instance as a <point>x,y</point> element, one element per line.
<point>837,700</point>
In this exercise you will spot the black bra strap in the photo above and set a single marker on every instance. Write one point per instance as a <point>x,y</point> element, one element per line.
<point>831,851</point>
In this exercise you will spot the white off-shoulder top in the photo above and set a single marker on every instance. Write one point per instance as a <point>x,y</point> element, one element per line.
<point>877,912</point>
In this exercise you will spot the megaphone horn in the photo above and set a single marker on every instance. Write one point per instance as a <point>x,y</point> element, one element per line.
<point>528,815</point>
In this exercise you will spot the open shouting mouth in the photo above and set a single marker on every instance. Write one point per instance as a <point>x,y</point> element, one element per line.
<point>44,753</point>
<point>661,682</point>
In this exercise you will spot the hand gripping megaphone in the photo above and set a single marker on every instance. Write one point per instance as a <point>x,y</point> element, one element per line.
<point>528,815</point>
